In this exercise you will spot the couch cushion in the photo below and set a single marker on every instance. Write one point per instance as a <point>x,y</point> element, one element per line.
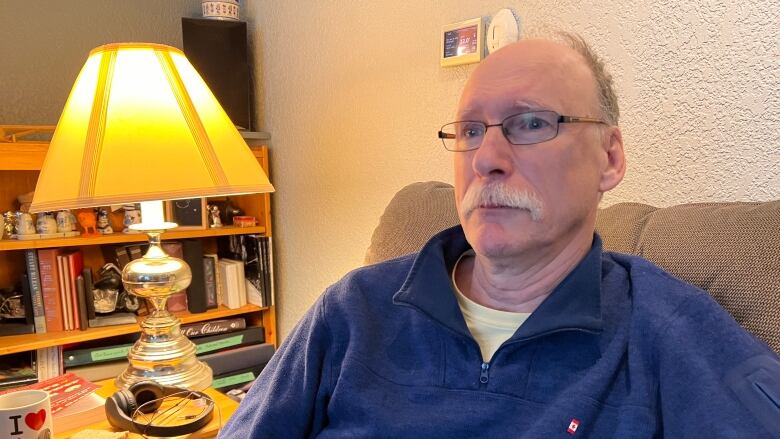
<point>732,250</point>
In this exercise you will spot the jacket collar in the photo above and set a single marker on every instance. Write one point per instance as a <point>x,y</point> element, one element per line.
<point>575,304</point>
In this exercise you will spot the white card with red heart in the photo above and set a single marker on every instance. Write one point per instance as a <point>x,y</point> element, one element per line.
<point>26,414</point>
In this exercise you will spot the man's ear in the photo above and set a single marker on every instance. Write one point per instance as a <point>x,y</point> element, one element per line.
<point>615,166</point>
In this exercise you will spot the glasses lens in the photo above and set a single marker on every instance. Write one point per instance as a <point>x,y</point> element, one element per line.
<point>533,127</point>
<point>462,136</point>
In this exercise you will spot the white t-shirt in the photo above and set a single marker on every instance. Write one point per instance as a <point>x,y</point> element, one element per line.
<point>489,327</point>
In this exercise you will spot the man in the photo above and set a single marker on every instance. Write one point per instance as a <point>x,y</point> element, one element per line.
<point>515,324</point>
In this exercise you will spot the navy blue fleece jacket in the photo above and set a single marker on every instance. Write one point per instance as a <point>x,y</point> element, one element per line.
<point>619,349</point>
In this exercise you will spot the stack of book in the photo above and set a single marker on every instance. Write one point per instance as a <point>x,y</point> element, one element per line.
<point>246,267</point>
<point>234,351</point>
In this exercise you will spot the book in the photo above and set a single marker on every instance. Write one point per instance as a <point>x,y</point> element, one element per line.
<point>75,262</point>
<point>213,327</point>
<point>272,289</point>
<point>232,278</point>
<point>64,390</point>
<point>210,280</point>
<point>217,278</point>
<point>177,301</point>
<point>89,295</point>
<point>52,301</point>
<point>64,287</point>
<point>85,411</point>
<point>192,250</point>
<point>82,303</point>
<point>236,379</point>
<point>203,345</point>
<point>34,278</point>
<point>239,358</point>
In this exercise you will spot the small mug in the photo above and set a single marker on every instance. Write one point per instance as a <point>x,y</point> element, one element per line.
<point>64,221</point>
<point>46,223</point>
<point>26,414</point>
<point>24,224</point>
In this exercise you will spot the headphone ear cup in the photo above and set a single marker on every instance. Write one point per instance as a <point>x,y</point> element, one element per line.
<point>144,392</point>
<point>126,402</point>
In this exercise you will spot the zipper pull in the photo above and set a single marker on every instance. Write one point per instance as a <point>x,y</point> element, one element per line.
<point>483,374</point>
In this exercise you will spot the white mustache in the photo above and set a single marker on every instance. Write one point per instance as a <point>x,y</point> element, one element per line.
<point>503,195</point>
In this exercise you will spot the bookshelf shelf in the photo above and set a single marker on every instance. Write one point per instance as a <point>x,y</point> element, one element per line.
<point>27,342</point>
<point>22,154</point>
<point>119,237</point>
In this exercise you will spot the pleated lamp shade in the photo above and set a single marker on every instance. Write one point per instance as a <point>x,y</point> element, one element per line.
<point>140,124</point>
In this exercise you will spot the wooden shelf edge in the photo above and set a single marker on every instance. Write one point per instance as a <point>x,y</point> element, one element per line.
<point>116,238</point>
<point>10,344</point>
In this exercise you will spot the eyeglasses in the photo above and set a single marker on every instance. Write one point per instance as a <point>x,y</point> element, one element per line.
<point>519,129</point>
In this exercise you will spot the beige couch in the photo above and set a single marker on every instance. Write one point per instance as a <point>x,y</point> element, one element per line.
<point>732,250</point>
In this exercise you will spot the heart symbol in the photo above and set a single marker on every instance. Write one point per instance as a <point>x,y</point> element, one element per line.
<point>35,420</point>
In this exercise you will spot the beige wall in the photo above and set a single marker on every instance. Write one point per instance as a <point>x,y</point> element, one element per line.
<point>43,45</point>
<point>352,94</point>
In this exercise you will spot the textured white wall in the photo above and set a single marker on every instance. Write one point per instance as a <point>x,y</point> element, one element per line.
<point>43,45</point>
<point>353,94</point>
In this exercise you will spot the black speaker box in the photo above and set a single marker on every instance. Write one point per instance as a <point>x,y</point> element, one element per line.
<point>218,50</point>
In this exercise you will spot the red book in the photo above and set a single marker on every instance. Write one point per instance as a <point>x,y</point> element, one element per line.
<point>64,390</point>
<point>52,302</point>
<point>75,262</point>
<point>64,285</point>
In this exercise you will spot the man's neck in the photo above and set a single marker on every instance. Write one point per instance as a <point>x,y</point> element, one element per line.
<point>520,284</point>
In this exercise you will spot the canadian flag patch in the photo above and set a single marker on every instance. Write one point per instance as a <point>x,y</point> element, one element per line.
<point>573,425</point>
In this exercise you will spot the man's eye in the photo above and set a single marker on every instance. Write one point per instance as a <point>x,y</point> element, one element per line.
<point>471,131</point>
<point>534,123</point>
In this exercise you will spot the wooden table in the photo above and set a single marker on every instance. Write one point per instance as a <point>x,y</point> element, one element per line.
<point>224,405</point>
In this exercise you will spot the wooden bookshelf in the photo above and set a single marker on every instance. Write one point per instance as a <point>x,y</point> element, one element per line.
<point>27,342</point>
<point>22,152</point>
<point>119,237</point>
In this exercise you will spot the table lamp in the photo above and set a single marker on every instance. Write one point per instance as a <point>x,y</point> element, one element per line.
<point>141,126</point>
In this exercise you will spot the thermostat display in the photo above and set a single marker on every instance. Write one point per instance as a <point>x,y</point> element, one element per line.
<point>462,43</point>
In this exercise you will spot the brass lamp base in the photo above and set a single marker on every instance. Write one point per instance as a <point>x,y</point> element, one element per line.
<point>162,353</point>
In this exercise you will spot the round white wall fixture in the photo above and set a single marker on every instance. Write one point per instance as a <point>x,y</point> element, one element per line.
<point>503,30</point>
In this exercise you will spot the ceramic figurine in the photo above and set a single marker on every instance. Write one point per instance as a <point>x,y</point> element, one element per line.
<point>24,224</point>
<point>87,220</point>
<point>214,216</point>
<point>46,224</point>
<point>132,216</point>
<point>10,223</point>
<point>65,221</point>
<point>103,225</point>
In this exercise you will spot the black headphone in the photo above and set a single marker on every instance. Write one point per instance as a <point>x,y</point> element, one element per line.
<point>148,395</point>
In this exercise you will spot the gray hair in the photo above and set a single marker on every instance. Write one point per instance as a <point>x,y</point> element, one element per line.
<point>608,101</point>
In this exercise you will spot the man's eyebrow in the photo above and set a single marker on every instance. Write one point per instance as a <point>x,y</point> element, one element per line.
<point>518,106</point>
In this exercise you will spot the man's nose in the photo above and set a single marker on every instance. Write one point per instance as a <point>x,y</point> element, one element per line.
<point>494,156</point>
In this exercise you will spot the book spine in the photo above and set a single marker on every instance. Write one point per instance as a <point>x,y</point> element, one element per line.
<point>210,279</point>
<point>52,304</point>
<point>196,292</point>
<point>34,276</point>
<point>75,263</point>
<point>216,343</point>
<point>89,295</point>
<point>271,290</point>
<point>62,277</point>
<point>83,320</point>
<point>213,327</point>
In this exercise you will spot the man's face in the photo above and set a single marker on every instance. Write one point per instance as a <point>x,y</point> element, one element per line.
<point>561,180</point>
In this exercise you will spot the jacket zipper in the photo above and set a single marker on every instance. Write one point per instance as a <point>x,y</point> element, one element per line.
<point>484,374</point>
